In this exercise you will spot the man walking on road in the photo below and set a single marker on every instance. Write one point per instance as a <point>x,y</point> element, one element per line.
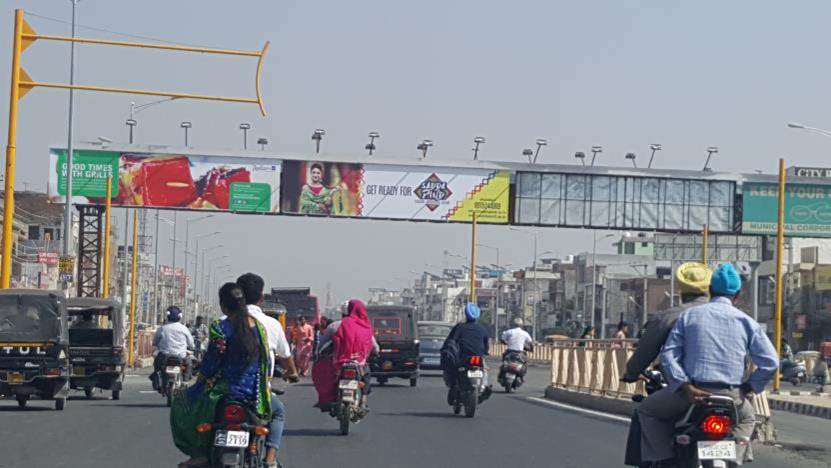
<point>705,354</point>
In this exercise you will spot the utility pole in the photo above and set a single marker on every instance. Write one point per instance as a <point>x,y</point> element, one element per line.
<point>67,213</point>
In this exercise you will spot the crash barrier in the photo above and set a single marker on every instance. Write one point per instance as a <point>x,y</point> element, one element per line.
<point>545,352</point>
<point>144,349</point>
<point>598,370</point>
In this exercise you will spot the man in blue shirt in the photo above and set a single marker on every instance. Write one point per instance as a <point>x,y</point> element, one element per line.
<point>704,354</point>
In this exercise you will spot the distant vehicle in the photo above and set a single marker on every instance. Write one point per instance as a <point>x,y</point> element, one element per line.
<point>297,302</point>
<point>431,336</point>
<point>34,346</point>
<point>397,336</point>
<point>96,352</point>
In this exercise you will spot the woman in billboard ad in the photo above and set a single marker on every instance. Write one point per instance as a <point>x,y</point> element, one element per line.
<point>327,189</point>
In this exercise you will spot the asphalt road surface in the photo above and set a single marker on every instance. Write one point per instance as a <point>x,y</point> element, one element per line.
<point>407,427</point>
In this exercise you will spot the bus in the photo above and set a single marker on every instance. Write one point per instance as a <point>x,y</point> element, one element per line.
<point>294,303</point>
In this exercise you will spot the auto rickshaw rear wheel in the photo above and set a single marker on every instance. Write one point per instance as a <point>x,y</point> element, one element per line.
<point>60,403</point>
<point>22,400</point>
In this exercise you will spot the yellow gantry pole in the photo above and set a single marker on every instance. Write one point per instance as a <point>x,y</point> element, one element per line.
<point>133,287</point>
<point>105,284</point>
<point>85,40</point>
<point>472,297</point>
<point>780,241</point>
<point>8,202</point>
<point>705,237</point>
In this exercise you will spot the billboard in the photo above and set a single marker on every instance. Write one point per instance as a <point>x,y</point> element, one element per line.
<point>394,192</point>
<point>167,180</point>
<point>624,202</point>
<point>807,209</point>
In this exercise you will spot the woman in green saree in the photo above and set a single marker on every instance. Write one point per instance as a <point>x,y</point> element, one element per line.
<point>316,198</point>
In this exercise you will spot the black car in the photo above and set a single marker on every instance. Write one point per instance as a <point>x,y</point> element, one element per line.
<point>397,336</point>
<point>431,338</point>
<point>34,346</point>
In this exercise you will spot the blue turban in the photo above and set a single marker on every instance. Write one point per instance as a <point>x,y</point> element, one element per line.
<point>472,312</point>
<point>726,281</point>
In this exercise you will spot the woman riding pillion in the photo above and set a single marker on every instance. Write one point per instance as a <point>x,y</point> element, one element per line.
<point>236,365</point>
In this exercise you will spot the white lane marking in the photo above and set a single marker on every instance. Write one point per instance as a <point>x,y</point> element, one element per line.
<point>579,410</point>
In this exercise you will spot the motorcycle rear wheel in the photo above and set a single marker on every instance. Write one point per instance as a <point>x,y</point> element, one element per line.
<point>345,415</point>
<point>169,393</point>
<point>470,404</point>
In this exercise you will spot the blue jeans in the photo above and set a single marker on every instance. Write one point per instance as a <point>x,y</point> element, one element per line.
<point>275,427</point>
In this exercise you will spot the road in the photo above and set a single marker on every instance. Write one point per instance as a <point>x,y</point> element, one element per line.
<point>408,427</point>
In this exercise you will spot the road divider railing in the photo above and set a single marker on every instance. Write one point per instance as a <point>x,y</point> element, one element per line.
<point>545,352</point>
<point>145,344</point>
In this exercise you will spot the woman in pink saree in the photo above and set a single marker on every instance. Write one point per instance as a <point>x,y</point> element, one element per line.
<point>303,336</point>
<point>349,339</point>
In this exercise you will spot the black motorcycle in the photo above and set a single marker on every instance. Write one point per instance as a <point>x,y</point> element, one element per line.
<point>173,376</point>
<point>512,371</point>
<point>703,437</point>
<point>351,404</point>
<point>469,389</point>
<point>238,435</point>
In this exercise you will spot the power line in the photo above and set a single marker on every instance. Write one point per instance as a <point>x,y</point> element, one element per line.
<point>117,33</point>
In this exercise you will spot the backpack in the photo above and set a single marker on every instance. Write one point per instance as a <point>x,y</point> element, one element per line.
<point>450,352</point>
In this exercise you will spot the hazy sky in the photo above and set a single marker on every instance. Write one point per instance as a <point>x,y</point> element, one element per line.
<point>623,74</point>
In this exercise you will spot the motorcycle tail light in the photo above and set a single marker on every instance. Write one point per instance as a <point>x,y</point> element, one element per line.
<point>261,431</point>
<point>234,414</point>
<point>349,373</point>
<point>475,361</point>
<point>716,425</point>
<point>55,371</point>
<point>204,427</point>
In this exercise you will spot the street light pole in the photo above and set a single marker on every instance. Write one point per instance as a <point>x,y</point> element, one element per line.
<point>371,145</point>
<point>245,127</point>
<point>67,213</point>
<point>317,136</point>
<point>594,286</point>
<point>654,147</point>
<point>186,125</point>
<point>540,143</point>
<point>477,141</point>
<point>156,273</point>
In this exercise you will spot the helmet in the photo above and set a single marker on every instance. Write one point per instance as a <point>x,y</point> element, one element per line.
<point>174,314</point>
<point>517,322</point>
<point>694,278</point>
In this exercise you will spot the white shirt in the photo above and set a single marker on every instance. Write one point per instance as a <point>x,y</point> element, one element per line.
<point>277,342</point>
<point>516,338</point>
<point>173,339</point>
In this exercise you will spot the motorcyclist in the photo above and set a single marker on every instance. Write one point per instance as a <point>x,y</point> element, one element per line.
<point>705,354</point>
<point>694,282</point>
<point>472,340</point>
<point>172,339</point>
<point>518,340</point>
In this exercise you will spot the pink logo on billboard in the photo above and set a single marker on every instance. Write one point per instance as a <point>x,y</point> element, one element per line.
<point>432,191</point>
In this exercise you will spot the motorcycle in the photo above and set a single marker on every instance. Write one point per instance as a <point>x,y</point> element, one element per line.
<point>350,406</point>
<point>793,371</point>
<point>512,371</point>
<point>173,376</point>
<point>238,436</point>
<point>469,389</point>
<point>703,437</point>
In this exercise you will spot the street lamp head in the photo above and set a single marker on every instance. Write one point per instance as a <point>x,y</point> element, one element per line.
<point>131,122</point>
<point>427,143</point>
<point>318,134</point>
<point>712,149</point>
<point>374,135</point>
<point>656,147</point>
<point>580,155</point>
<point>542,142</point>
<point>185,124</point>
<point>245,126</point>
<point>527,152</point>
<point>479,139</point>
<point>631,156</point>
<point>795,125</point>
<point>597,149</point>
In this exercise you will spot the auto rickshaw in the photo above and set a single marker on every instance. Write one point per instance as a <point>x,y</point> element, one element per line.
<point>96,345</point>
<point>397,335</point>
<point>34,346</point>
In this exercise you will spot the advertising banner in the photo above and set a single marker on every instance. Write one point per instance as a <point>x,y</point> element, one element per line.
<point>394,192</point>
<point>163,180</point>
<point>807,209</point>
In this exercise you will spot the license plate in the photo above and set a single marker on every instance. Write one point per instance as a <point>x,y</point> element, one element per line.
<point>348,384</point>
<point>387,365</point>
<point>15,378</point>
<point>173,369</point>
<point>717,450</point>
<point>79,371</point>
<point>475,374</point>
<point>231,439</point>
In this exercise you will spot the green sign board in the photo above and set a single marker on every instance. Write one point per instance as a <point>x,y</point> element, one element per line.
<point>89,172</point>
<point>807,209</point>
<point>250,196</point>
